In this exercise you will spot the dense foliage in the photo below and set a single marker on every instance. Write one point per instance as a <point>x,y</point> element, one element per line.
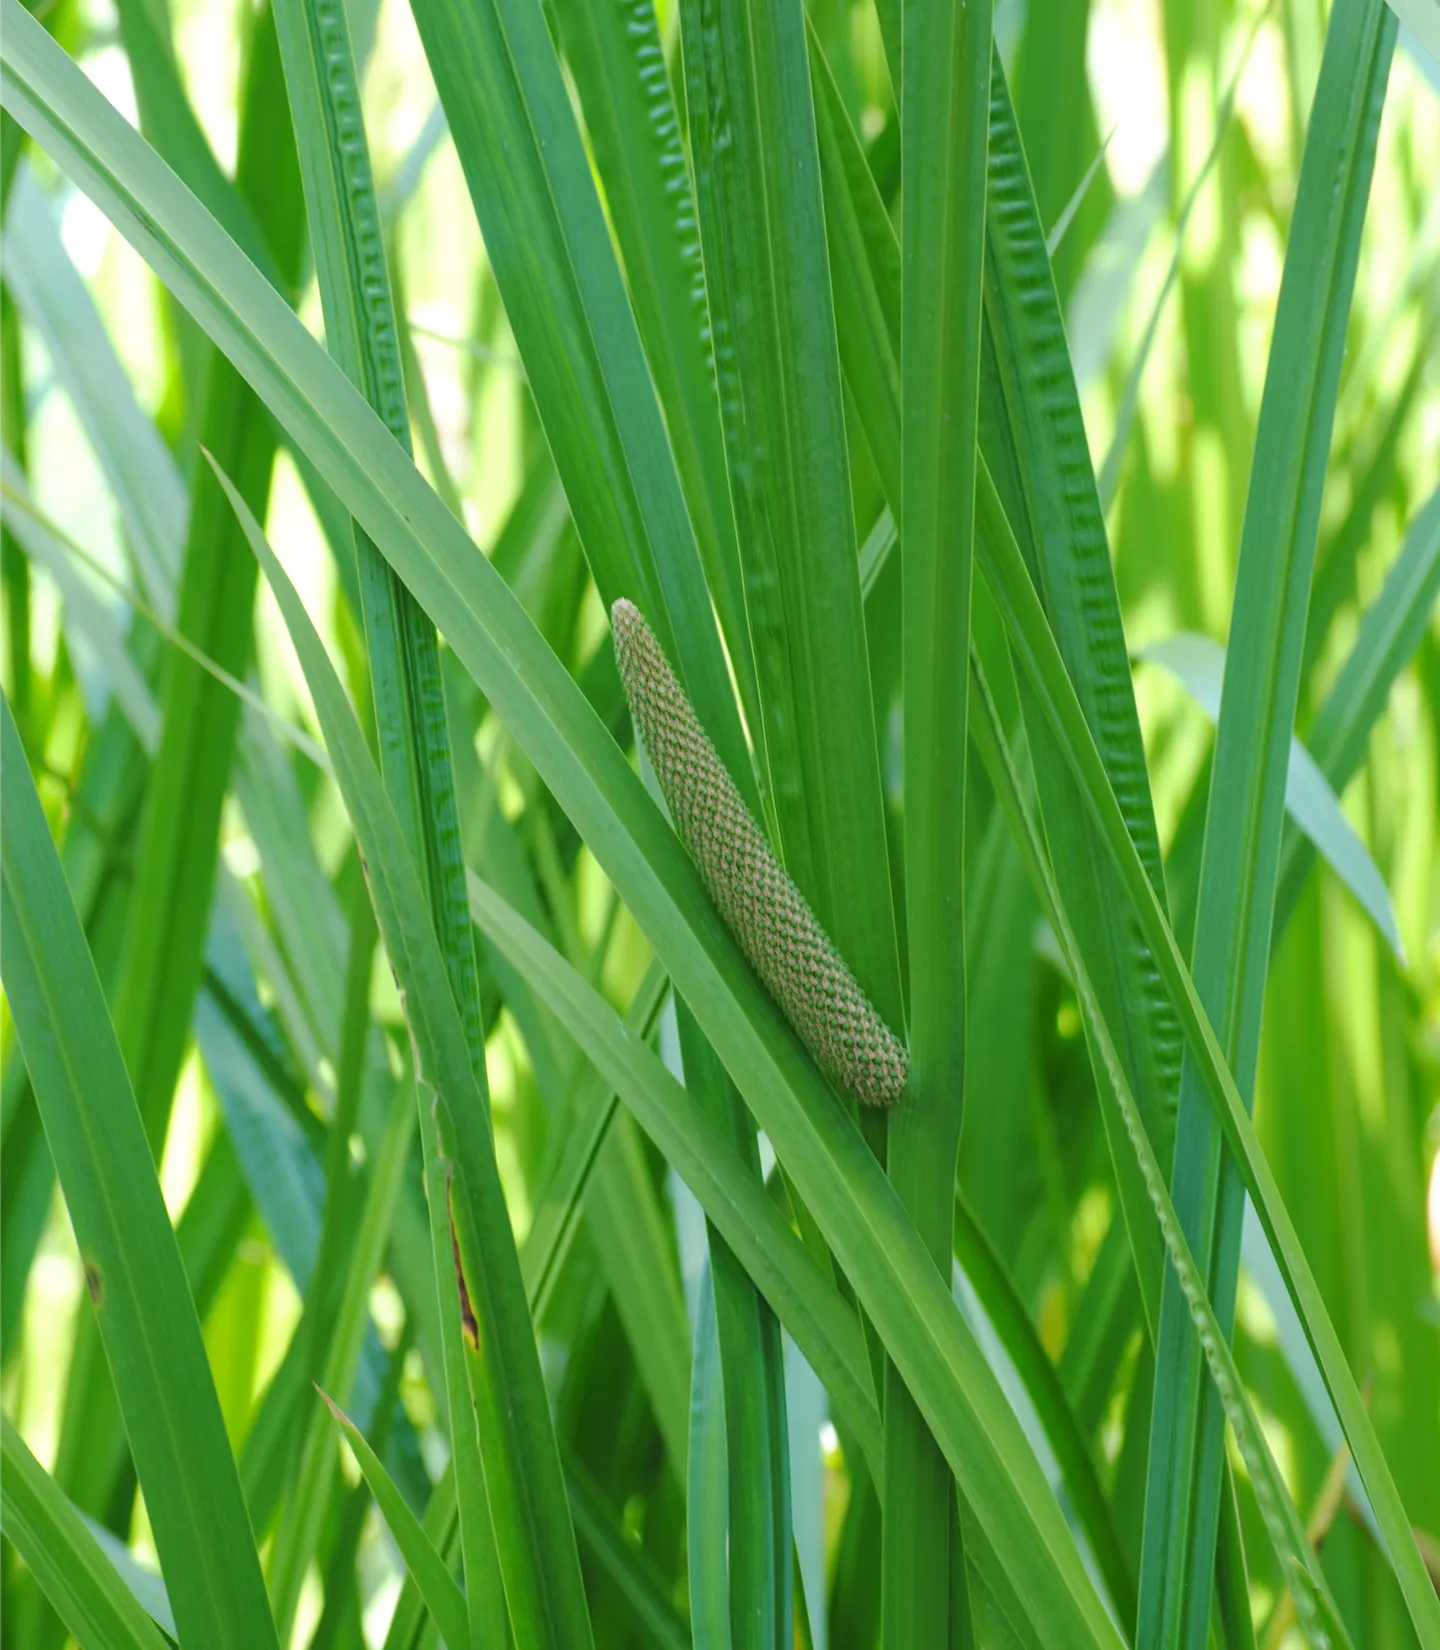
<point>419,1221</point>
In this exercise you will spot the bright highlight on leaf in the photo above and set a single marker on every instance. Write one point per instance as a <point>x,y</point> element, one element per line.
<point>780,935</point>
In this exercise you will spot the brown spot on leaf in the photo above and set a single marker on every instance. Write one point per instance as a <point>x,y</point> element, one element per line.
<point>95,1283</point>
<point>468,1325</point>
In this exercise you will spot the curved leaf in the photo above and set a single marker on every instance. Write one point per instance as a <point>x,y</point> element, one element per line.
<point>1390,632</point>
<point>535,696</point>
<point>443,1599</point>
<point>133,1269</point>
<point>1317,1608</point>
<point>547,241</point>
<point>1036,652</point>
<point>412,734</point>
<point>772,321</point>
<point>524,1488</point>
<point>1245,813</point>
<point>70,1565</point>
<point>1198,663</point>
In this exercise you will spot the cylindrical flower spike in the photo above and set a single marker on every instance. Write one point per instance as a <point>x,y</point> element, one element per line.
<point>780,935</point>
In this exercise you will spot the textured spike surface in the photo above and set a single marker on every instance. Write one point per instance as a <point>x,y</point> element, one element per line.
<point>780,935</point>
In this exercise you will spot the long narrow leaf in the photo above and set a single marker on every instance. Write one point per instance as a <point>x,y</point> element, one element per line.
<point>402,654</point>
<point>617,57</point>
<point>752,1382</point>
<point>1247,793</point>
<point>1035,443</point>
<point>762,232</point>
<point>540,702</point>
<point>47,1532</point>
<point>545,235</point>
<point>133,1270</point>
<point>526,1493</point>
<point>1030,425</point>
<point>819,1321</point>
<point>1198,664</point>
<point>443,1598</point>
<point>706,1499</point>
<point>1036,651</point>
<point>1309,1587</point>
<point>946,98</point>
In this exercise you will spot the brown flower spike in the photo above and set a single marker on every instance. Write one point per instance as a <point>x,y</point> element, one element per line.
<point>780,935</point>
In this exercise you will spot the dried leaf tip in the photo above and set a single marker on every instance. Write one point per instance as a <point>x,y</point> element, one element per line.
<point>770,918</point>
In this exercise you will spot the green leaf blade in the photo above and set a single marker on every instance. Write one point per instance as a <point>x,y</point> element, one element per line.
<point>136,1281</point>
<point>1390,632</point>
<point>1198,664</point>
<point>524,1486</point>
<point>945,125</point>
<point>1036,651</point>
<point>443,1599</point>
<point>618,60</point>
<point>538,699</point>
<point>547,241</point>
<point>762,233</point>
<point>403,662</point>
<point>47,1532</point>
<point>1247,794</point>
